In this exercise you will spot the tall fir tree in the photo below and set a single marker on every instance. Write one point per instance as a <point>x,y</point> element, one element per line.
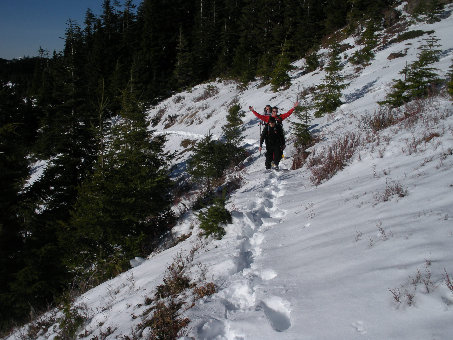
<point>280,76</point>
<point>14,170</point>
<point>123,209</point>
<point>328,95</point>
<point>183,72</point>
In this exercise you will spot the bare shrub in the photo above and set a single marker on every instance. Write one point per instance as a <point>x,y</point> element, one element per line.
<point>158,117</point>
<point>333,159</point>
<point>391,189</point>
<point>384,235</point>
<point>396,294</point>
<point>39,325</point>
<point>448,281</point>
<point>205,290</point>
<point>188,143</point>
<point>170,121</point>
<point>413,111</point>
<point>382,119</point>
<point>209,91</point>
<point>178,99</point>
<point>164,316</point>
<point>175,280</point>
<point>411,286</point>
<point>166,322</point>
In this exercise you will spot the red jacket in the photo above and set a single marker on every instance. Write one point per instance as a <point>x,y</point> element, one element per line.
<point>279,118</point>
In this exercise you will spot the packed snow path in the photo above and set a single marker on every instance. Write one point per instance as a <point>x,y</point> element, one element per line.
<point>246,295</point>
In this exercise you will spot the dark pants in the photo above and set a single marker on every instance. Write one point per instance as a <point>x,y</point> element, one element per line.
<point>274,154</point>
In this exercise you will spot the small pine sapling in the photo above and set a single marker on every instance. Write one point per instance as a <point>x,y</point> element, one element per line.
<point>215,217</point>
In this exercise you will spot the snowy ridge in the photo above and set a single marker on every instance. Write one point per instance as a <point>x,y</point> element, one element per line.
<point>364,255</point>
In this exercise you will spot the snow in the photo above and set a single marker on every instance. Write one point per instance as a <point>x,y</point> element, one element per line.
<point>302,261</point>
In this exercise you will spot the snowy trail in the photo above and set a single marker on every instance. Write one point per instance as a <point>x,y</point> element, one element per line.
<point>247,296</point>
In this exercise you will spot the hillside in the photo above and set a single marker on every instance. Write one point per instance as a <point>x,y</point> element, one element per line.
<point>365,254</point>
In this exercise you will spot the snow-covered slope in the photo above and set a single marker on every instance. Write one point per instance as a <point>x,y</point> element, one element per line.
<point>364,255</point>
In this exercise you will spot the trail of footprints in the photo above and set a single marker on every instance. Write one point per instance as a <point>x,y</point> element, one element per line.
<point>244,297</point>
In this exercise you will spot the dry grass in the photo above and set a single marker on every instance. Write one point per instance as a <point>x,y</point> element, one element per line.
<point>334,158</point>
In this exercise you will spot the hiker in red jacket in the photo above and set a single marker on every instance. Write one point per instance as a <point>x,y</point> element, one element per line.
<point>277,117</point>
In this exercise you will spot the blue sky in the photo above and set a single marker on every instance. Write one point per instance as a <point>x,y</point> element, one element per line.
<point>26,25</point>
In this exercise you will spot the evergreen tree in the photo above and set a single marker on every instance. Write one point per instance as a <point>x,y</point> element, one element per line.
<point>422,75</point>
<point>208,161</point>
<point>14,169</point>
<point>312,61</point>
<point>214,218</point>
<point>233,129</point>
<point>183,73</point>
<point>248,49</point>
<point>419,77</point>
<point>232,133</point>
<point>450,81</point>
<point>123,208</point>
<point>336,14</point>
<point>280,77</point>
<point>366,54</point>
<point>309,29</point>
<point>301,126</point>
<point>328,95</point>
<point>431,8</point>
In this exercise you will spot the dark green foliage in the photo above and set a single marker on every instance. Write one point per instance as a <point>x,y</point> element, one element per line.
<point>450,81</point>
<point>232,132</point>
<point>280,77</point>
<point>431,8</point>
<point>366,54</point>
<point>183,73</point>
<point>410,35</point>
<point>71,321</point>
<point>209,161</point>
<point>300,128</point>
<point>124,205</point>
<point>312,61</point>
<point>211,158</point>
<point>328,95</point>
<point>13,172</point>
<point>233,129</point>
<point>214,218</point>
<point>420,78</point>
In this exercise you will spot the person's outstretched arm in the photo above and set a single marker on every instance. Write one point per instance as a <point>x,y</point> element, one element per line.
<point>262,117</point>
<point>287,114</point>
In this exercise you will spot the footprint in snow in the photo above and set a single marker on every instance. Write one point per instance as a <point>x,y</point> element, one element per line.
<point>277,313</point>
<point>359,327</point>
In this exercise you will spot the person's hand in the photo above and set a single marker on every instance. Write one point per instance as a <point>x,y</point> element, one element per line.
<point>296,104</point>
<point>251,108</point>
<point>260,148</point>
